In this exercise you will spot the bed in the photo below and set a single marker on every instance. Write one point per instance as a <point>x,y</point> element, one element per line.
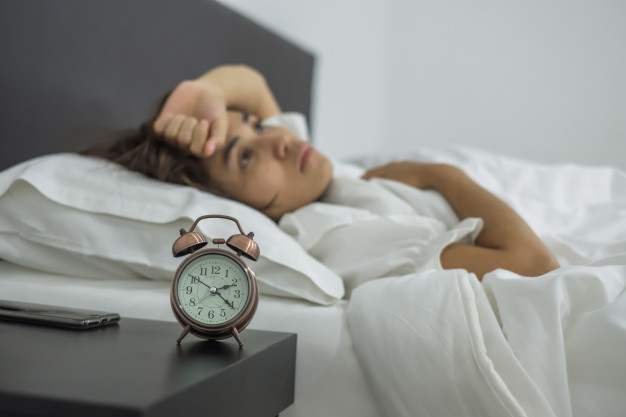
<point>84,233</point>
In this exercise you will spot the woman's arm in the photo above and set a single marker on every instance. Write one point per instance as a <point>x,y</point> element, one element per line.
<point>243,88</point>
<point>505,241</point>
<point>194,115</point>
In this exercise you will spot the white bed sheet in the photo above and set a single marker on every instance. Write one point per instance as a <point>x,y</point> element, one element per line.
<point>329,381</point>
<point>440,343</point>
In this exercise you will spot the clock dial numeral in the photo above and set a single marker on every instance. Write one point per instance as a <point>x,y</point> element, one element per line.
<point>215,282</point>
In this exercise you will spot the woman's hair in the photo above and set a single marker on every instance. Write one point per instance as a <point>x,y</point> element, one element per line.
<point>142,151</point>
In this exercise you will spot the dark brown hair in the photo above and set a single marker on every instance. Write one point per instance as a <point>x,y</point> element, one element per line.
<point>142,151</point>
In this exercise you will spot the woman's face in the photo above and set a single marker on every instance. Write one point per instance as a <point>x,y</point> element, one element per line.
<point>267,167</point>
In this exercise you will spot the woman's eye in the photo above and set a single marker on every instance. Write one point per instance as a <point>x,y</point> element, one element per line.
<point>246,156</point>
<point>258,126</point>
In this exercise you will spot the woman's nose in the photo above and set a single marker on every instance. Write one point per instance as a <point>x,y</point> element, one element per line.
<point>280,146</point>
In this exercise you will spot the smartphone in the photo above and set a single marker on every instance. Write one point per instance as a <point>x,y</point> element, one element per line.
<point>72,318</point>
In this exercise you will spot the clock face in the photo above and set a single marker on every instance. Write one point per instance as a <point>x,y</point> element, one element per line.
<point>213,288</point>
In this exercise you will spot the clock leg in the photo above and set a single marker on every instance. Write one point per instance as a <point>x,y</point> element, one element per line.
<point>236,336</point>
<point>183,334</point>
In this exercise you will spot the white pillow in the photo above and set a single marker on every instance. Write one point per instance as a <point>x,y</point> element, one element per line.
<point>86,217</point>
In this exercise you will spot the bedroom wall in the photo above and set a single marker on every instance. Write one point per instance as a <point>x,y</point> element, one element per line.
<point>348,38</point>
<point>540,80</point>
<point>544,80</point>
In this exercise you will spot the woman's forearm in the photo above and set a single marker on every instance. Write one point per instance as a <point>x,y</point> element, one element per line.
<point>194,118</point>
<point>508,241</point>
<point>503,228</point>
<point>505,241</point>
<point>243,88</point>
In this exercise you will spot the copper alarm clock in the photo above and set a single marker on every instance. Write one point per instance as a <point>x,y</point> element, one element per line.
<point>214,294</point>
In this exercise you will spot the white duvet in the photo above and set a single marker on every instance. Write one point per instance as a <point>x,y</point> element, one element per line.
<point>441,343</point>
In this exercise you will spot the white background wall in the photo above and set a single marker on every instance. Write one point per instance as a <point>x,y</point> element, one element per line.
<point>544,80</point>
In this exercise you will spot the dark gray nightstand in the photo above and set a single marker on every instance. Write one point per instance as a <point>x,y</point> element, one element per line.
<point>136,369</point>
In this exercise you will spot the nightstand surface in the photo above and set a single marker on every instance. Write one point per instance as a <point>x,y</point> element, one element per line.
<point>135,368</point>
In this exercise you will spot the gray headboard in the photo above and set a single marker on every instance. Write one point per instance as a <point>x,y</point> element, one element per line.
<point>71,68</point>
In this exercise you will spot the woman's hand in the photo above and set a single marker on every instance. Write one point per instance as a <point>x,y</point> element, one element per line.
<point>412,173</point>
<point>194,118</point>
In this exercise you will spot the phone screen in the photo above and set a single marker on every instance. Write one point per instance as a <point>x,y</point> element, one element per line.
<point>55,315</point>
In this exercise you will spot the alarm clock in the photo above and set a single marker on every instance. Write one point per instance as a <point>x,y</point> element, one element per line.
<point>214,293</point>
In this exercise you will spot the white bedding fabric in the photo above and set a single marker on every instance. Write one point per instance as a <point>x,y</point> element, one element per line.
<point>67,213</point>
<point>365,230</point>
<point>441,343</point>
<point>431,345</point>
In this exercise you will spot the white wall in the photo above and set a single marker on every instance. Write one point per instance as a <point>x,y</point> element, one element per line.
<point>348,38</point>
<point>539,79</point>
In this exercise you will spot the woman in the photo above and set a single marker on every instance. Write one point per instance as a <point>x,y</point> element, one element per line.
<point>208,134</point>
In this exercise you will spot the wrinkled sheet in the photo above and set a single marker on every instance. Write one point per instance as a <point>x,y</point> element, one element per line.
<point>441,343</point>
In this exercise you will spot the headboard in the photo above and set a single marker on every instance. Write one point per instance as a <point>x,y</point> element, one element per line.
<point>71,68</point>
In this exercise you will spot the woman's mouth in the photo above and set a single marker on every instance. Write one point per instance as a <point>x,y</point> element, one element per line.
<point>305,155</point>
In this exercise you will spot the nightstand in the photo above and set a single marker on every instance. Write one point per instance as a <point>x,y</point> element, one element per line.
<point>135,368</point>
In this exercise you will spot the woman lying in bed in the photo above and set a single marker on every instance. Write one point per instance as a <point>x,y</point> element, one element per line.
<point>208,134</point>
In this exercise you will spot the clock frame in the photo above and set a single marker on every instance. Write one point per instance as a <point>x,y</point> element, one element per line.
<point>189,243</point>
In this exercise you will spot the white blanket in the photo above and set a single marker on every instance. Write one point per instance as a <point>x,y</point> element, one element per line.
<point>440,343</point>
<point>364,230</point>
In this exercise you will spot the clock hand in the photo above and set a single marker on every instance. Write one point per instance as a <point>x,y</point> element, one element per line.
<point>227,286</point>
<point>228,303</point>
<point>208,286</point>
<point>214,290</point>
<point>200,281</point>
<point>217,289</point>
<point>205,297</point>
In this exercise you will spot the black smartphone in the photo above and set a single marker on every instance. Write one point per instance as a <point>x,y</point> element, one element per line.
<point>48,315</point>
